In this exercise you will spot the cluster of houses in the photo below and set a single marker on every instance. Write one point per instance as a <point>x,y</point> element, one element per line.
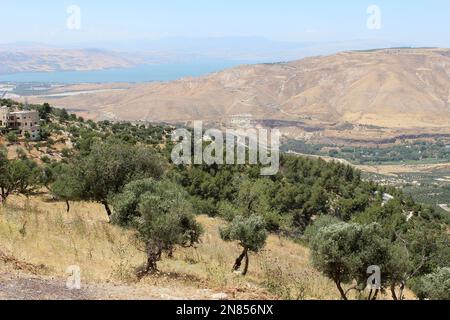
<point>23,122</point>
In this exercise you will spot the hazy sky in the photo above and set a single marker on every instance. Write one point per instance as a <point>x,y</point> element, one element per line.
<point>408,21</point>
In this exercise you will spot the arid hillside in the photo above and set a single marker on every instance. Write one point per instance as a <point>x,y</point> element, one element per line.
<point>39,241</point>
<point>392,88</point>
<point>49,59</point>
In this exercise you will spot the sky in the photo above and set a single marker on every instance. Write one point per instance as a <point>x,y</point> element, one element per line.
<point>419,23</point>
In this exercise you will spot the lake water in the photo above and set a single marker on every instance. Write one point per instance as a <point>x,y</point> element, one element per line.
<point>146,73</point>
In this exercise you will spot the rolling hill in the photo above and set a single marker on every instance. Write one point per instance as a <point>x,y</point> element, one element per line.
<point>402,91</point>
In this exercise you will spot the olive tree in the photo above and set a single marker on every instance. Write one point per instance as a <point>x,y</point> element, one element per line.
<point>344,251</point>
<point>18,177</point>
<point>161,214</point>
<point>251,234</point>
<point>110,166</point>
<point>64,185</point>
<point>421,250</point>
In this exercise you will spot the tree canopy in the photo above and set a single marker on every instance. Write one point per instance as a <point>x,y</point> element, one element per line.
<point>107,168</point>
<point>21,176</point>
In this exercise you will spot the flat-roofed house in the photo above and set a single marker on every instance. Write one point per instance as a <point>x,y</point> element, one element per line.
<point>22,121</point>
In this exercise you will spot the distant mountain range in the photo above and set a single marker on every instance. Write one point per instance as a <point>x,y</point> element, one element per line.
<point>35,57</point>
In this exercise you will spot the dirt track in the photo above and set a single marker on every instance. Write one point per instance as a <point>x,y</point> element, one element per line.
<point>26,288</point>
<point>22,287</point>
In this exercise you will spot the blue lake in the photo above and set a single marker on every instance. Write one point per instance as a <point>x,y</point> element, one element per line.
<point>145,73</point>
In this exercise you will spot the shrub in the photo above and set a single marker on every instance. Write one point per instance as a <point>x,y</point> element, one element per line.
<point>434,286</point>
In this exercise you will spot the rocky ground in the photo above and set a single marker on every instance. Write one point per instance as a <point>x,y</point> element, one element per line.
<point>25,287</point>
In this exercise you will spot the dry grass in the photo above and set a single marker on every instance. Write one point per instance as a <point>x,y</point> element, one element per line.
<point>282,269</point>
<point>40,233</point>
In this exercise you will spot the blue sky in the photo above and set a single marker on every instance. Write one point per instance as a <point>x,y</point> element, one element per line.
<point>424,23</point>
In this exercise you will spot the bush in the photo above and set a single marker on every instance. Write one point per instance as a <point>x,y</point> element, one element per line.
<point>204,206</point>
<point>12,137</point>
<point>227,210</point>
<point>435,286</point>
<point>66,153</point>
<point>318,224</point>
<point>45,159</point>
<point>21,154</point>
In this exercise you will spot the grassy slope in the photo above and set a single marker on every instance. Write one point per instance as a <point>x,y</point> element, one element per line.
<point>39,232</point>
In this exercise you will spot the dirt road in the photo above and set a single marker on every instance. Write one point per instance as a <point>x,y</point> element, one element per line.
<point>23,287</point>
